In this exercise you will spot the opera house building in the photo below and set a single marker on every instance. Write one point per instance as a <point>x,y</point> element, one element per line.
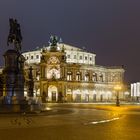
<point>64,73</point>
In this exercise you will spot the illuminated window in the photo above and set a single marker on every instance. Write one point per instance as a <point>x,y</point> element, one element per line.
<point>69,76</point>
<point>87,77</point>
<point>53,73</point>
<point>94,77</point>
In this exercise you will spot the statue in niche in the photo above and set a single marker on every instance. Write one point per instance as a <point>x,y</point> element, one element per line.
<point>14,36</point>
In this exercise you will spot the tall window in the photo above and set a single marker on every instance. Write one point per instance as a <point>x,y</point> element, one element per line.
<point>94,77</point>
<point>86,76</point>
<point>74,56</point>
<point>68,56</point>
<point>94,97</point>
<point>101,78</point>
<point>78,75</point>
<point>37,56</point>
<point>80,57</point>
<point>69,76</point>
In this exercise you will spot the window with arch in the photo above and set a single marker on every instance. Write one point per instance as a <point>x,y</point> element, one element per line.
<point>69,76</point>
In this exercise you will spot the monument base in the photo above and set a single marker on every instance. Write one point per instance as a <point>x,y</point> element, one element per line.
<point>19,106</point>
<point>15,106</point>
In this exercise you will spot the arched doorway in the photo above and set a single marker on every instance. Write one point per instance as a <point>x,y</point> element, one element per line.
<point>69,95</point>
<point>52,93</point>
<point>77,95</point>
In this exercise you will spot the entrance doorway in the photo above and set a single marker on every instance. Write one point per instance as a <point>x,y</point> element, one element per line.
<point>53,96</point>
<point>87,97</point>
<point>52,93</point>
<point>78,98</point>
<point>94,97</point>
<point>69,97</point>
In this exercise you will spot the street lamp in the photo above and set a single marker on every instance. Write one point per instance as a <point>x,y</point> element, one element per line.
<point>117,89</point>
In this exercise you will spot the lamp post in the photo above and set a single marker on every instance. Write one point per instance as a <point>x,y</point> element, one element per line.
<point>117,89</point>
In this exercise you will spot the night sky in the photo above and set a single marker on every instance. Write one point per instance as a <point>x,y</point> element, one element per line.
<point>109,28</point>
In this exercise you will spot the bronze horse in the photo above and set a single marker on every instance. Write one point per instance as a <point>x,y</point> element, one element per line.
<point>14,36</point>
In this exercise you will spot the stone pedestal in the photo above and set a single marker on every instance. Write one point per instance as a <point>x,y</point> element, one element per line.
<point>13,74</point>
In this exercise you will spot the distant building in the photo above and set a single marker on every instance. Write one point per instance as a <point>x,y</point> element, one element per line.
<point>69,74</point>
<point>135,91</point>
<point>1,82</point>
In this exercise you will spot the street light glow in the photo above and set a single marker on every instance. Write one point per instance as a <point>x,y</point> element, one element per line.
<point>118,87</point>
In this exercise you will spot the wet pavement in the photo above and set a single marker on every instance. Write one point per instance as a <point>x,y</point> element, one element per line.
<point>73,122</point>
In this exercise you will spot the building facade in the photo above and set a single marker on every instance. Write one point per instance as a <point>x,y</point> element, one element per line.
<point>135,92</point>
<point>63,73</point>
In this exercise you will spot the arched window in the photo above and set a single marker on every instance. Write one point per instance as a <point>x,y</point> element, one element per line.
<point>69,76</point>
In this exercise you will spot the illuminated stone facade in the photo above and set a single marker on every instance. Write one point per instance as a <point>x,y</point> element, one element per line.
<point>64,73</point>
<point>135,91</point>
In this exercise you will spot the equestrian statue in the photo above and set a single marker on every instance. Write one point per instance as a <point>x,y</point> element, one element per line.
<point>14,36</point>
